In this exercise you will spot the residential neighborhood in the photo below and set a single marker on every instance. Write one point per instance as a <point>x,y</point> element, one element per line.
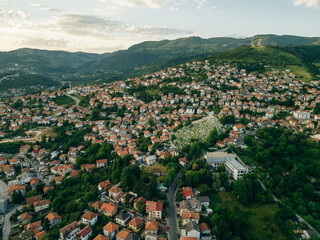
<point>116,154</point>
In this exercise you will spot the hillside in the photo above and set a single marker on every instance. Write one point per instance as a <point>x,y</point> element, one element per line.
<point>43,61</point>
<point>301,60</point>
<point>17,80</point>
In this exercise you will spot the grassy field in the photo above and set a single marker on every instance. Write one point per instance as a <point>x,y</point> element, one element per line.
<point>261,218</point>
<point>301,72</point>
<point>64,101</point>
<point>156,169</point>
<point>153,91</point>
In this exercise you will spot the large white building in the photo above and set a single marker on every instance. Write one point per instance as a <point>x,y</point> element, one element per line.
<point>234,168</point>
<point>216,158</point>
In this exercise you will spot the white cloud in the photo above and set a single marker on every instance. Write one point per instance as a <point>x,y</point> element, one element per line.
<point>136,3</point>
<point>307,3</point>
<point>44,8</point>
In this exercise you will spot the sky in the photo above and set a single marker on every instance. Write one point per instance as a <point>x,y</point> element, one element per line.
<point>108,25</point>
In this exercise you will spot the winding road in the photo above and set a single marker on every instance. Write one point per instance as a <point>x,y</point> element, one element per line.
<point>74,98</point>
<point>172,214</point>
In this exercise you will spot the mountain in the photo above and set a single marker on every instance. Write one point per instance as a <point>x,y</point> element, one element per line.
<point>151,56</point>
<point>150,53</point>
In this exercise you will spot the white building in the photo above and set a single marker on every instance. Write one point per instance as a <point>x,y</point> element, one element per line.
<point>235,169</point>
<point>216,158</point>
<point>303,115</point>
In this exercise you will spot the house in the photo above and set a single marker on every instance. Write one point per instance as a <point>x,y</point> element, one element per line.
<point>192,229</point>
<point>187,192</point>
<point>135,224</point>
<point>32,226</point>
<point>104,185</point>
<point>34,182</point>
<point>89,218</point>
<point>150,160</point>
<point>205,231</point>
<point>40,235</point>
<point>110,230</point>
<point>125,234</point>
<point>97,206</point>
<point>17,187</point>
<point>41,205</point>
<point>9,170</point>
<point>154,210</point>
<point>190,216</point>
<point>109,209</point>
<point>53,218</point>
<point>85,233</point>
<point>151,230</point>
<point>123,218</point>
<point>114,192</point>
<point>205,201</point>
<point>70,231</point>
<point>101,237</point>
<point>190,205</point>
<point>32,200</point>
<point>101,163</point>
<point>25,218</point>
<point>183,162</point>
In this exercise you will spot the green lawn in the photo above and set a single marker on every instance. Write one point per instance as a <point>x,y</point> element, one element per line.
<point>261,218</point>
<point>64,101</point>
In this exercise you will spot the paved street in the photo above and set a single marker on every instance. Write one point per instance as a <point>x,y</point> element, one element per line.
<point>172,215</point>
<point>7,223</point>
<point>3,189</point>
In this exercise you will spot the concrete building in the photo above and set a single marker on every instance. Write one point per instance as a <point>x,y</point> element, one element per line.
<point>216,158</point>
<point>235,169</point>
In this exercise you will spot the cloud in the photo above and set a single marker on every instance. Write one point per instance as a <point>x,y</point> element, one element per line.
<point>137,3</point>
<point>99,27</point>
<point>46,43</point>
<point>307,3</point>
<point>44,8</point>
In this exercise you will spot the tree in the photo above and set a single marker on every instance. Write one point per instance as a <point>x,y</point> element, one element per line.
<point>127,179</point>
<point>17,197</point>
<point>216,182</point>
<point>139,206</point>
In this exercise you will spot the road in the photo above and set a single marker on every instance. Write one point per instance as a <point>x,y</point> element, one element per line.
<point>172,214</point>
<point>74,98</point>
<point>7,223</point>
<point>3,189</point>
